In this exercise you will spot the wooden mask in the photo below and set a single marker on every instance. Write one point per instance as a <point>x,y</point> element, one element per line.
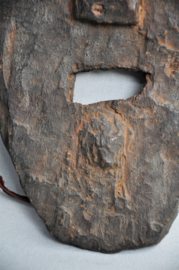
<point>102,176</point>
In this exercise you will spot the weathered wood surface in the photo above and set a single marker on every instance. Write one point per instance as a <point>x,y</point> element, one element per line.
<point>105,176</point>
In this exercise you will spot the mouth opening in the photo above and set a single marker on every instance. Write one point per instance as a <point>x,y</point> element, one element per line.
<point>98,85</point>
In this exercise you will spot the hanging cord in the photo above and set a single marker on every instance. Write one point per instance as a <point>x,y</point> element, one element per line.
<point>11,193</point>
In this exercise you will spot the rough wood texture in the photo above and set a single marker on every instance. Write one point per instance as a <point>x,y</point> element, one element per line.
<point>104,176</point>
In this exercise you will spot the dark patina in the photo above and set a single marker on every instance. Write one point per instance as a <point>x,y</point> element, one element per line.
<point>104,176</point>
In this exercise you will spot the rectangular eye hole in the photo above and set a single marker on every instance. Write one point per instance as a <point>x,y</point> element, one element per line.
<point>108,11</point>
<point>95,86</point>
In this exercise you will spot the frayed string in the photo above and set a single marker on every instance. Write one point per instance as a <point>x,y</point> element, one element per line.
<point>11,193</point>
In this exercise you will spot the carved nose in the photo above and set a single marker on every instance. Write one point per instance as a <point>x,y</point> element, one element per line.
<point>108,11</point>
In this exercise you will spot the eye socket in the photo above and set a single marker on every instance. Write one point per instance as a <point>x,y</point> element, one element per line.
<point>97,85</point>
